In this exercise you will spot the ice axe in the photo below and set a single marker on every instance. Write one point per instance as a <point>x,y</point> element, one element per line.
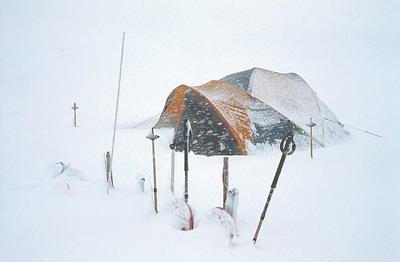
<point>287,147</point>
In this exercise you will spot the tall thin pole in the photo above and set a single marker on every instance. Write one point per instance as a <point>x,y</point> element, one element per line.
<point>225,180</point>
<point>186,169</point>
<point>117,102</point>
<point>154,177</point>
<point>287,147</point>
<point>172,186</point>
<point>154,170</point>
<point>74,108</point>
<point>311,125</point>
<point>311,145</point>
<point>186,137</point>
<point>153,137</point>
<point>172,147</point>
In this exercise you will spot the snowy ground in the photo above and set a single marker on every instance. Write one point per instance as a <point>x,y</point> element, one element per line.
<point>344,205</point>
<point>337,207</point>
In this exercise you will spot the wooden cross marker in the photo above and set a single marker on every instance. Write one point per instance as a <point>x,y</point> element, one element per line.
<point>74,108</point>
<point>311,125</point>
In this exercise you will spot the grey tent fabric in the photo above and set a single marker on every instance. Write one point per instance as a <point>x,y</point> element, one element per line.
<point>290,95</point>
<point>224,119</point>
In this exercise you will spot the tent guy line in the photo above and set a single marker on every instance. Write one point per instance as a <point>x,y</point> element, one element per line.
<point>353,127</point>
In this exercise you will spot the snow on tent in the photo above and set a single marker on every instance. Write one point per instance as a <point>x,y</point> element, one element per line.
<point>253,107</point>
<point>224,119</point>
<point>290,95</point>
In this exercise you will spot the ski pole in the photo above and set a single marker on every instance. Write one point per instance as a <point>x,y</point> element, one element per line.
<point>186,137</point>
<point>172,181</point>
<point>287,147</point>
<point>153,137</point>
<point>311,125</point>
<point>74,108</point>
<point>172,146</point>
<point>225,180</point>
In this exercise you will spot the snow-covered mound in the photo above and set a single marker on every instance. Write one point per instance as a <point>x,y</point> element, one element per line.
<point>290,95</point>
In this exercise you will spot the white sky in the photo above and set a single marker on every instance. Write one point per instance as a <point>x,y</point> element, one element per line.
<point>347,51</point>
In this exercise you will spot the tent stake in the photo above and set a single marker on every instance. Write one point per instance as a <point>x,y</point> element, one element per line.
<point>287,147</point>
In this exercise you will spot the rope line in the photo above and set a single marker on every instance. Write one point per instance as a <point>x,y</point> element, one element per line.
<point>144,121</point>
<point>353,127</point>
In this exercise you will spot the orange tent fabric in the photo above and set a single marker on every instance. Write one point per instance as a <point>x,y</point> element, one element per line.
<point>227,103</point>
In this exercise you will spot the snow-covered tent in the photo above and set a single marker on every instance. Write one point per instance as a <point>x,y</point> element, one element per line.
<point>225,120</point>
<point>247,109</point>
<point>290,95</point>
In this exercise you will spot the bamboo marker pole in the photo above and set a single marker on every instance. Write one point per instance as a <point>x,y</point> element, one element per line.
<point>117,104</point>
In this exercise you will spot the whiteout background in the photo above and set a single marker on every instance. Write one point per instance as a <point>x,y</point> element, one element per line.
<point>343,206</point>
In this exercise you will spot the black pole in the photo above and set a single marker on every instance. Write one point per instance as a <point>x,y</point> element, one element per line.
<point>287,147</point>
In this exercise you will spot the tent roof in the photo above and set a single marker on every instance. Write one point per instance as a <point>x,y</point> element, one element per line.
<point>248,108</point>
<point>227,102</point>
<point>217,105</point>
<point>290,95</point>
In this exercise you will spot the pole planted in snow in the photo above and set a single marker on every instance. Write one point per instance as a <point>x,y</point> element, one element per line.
<point>287,147</point>
<point>153,137</point>
<point>311,125</point>
<point>186,137</point>
<point>74,108</point>
<point>109,176</point>
<point>172,146</point>
<point>225,180</point>
<point>172,182</point>
<point>117,103</point>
